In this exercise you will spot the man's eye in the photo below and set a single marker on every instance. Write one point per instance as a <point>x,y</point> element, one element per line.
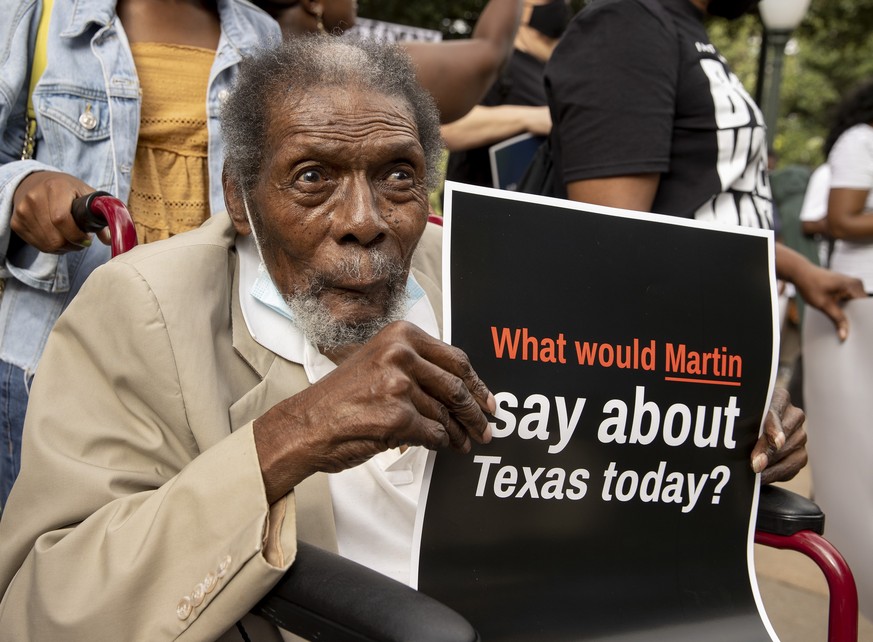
<point>400,175</point>
<point>311,176</point>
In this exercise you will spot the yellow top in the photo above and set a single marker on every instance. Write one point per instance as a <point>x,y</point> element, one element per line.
<point>169,190</point>
<point>39,53</point>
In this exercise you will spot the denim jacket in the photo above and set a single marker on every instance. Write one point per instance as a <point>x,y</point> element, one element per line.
<point>89,67</point>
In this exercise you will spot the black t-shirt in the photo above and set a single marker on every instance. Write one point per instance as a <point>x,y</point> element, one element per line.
<point>635,86</point>
<point>520,84</point>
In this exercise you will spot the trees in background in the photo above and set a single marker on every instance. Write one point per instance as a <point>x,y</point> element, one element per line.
<point>829,54</point>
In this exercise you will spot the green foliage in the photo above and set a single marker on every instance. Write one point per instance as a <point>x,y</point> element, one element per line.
<point>830,53</point>
<point>454,18</point>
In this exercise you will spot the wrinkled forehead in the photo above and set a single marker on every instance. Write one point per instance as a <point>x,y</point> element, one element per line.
<point>340,113</point>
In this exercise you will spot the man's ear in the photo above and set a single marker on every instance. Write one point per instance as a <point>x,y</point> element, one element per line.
<point>233,200</point>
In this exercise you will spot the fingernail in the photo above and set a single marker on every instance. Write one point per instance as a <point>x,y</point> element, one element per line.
<point>486,435</point>
<point>491,403</point>
<point>86,242</point>
<point>844,333</point>
<point>759,463</point>
<point>779,440</point>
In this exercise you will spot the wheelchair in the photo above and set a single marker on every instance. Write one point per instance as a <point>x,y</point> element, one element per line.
<point>326,597</point>
<point>329,598</point>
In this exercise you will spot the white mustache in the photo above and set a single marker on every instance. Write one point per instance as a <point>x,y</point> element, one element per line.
<point>370,265</point>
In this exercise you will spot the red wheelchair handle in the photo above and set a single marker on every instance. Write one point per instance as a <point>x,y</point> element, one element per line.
<point>96,210</point>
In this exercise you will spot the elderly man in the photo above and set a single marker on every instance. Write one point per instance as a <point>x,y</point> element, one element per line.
<point>175,447</point>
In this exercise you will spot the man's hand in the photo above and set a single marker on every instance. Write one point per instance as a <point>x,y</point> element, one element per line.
<point>781,450</point>
<point>401,388</point>
<point>41,214</point>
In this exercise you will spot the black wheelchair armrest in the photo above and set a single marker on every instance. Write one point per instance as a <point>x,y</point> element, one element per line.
<point>326,597</point>
<point>783,512</point>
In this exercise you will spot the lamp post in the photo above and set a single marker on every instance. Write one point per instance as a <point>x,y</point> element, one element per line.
<point>780,18</point>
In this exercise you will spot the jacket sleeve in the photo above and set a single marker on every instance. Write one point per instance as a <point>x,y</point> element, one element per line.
<point>17,32</point>
<point>137,534</point>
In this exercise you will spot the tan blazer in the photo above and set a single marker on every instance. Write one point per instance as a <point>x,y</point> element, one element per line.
<point>140,511</point>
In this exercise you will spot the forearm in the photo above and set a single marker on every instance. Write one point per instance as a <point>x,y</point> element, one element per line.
<point>458,73</point>
<point>852,227</point>
<point>133,481</point>
<point>820,288</point>
<point>812,228</point>
<point>286,454</point>
<point>790,265</point>
<point>495,30</point>
<point>152,550</point>
<point>848,217</point>
<point>488,125</point>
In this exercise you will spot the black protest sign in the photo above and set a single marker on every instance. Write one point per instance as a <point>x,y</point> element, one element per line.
<point>632,357</point>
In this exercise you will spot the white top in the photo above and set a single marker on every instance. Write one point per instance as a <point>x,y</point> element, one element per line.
<point>374,503</point>
<point>815,203</point>
<point>851,162</point>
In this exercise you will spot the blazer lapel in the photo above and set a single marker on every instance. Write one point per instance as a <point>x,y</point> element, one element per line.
<point>280,379</point>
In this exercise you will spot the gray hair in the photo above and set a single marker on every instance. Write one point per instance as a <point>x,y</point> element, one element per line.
<point>303,62</point>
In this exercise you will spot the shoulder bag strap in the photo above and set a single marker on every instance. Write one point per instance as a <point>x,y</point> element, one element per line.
<point>38,66</point>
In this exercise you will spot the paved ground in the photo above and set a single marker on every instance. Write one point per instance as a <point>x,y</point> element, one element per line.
<point>794,590</point>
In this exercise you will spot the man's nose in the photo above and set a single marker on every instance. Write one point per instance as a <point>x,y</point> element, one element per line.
<point>358,218</point>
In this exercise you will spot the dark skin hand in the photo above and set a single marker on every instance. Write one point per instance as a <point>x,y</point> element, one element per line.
<point>401,388</point>
<point>41,214</point>
<point>781,450</point>
<point>823,289</point>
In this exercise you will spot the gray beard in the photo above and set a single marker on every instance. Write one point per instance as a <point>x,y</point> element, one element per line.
<point>314,319</point>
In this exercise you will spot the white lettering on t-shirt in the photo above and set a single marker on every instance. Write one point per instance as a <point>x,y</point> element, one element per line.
<point>742,151</point>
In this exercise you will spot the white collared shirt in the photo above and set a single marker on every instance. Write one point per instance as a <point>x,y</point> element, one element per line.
<point>375,503</point>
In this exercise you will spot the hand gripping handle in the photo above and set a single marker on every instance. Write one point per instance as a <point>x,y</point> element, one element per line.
<point>96,210</point>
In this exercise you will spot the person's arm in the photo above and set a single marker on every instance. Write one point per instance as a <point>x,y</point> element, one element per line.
<point>813,210</point>
<point>42,216</point>
<point>847,216</point>
<point>485,125</point>
<point>17,34</point>
<point>629,192</point>
<point>813,228</point>
<point>144,493</point>
<point>820,288</point>
<point>612,89</point>
<point>458,73</point>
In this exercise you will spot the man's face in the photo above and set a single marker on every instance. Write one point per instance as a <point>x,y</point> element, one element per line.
<point>341,201</point>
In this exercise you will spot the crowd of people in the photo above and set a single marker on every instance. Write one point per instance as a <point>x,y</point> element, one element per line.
<point>168,416</point>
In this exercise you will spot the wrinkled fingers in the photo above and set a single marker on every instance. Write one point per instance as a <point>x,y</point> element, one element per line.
<point>463,405</point>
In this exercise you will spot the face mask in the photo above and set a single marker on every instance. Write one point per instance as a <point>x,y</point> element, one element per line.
<point>730,9</point>
<point>550,19</point>
<point>252,228</point>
